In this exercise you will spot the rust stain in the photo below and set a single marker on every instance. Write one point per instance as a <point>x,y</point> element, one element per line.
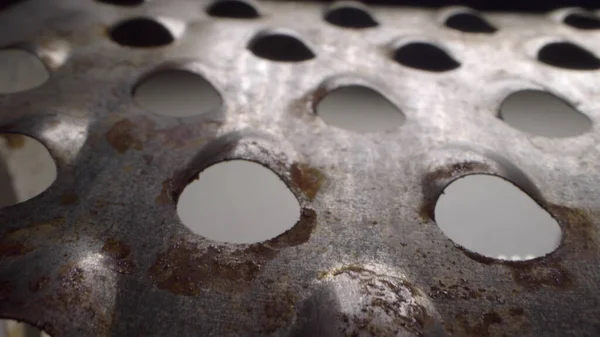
<point>118,252</point>
<point>426,211</point>
<point>14,141</point>
<point>39,284</point>
<point>68,198</point>
<point>277,313</point>
<point>308,179</point>
<point>516,311</point>
<point>481,326</point>
<point>164,197</point>
<point>185,269</point>
<point>122,138</point>
<point>534,276</point>
<point>14,249</point>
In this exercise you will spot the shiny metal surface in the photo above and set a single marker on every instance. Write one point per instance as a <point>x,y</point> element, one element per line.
<point>103,253</point>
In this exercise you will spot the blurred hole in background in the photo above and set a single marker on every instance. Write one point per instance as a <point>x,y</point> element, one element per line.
<point>280,47</point>
<point>141,32</point>
<point>350,17</point>
<point>582,21</point>
<point>12,328</point>
<point>543,114</point>
<point>20,71</point>
<point>26,169</point>
<point>232,9</point>
<point>490,216</point>
<point>238,201</point>
<point>469,23</point>
<point>358,108</point>
<point>177,93</point>
<point>425,56</point>
<point>568,55</point>
<point>123,2</point>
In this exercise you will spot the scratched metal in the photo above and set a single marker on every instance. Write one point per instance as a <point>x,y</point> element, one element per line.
<point>103,253</point>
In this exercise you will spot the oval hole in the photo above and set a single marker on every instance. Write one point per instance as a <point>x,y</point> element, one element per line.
<point>26,168</point>
<point>238,201</point>
<point>123,2</point>
<point>425,56</point>
<point>490,216</point>
<point>350,17</point>
<point>360,109</point>
<point>582,21</point>
<point>469,23</point>
<point>232,9</point>
<point>568,55</point>
<point>20,71</point>
<point>12,328</point>
<point>543,114</point>
<point>177,93</point>
<point>141,32</point>
<point>280,47</point>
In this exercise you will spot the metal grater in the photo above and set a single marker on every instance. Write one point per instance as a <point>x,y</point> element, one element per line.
<point>103,253</point>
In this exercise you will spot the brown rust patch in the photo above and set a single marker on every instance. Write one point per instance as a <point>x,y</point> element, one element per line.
<point>116,248</point>
<point>14,249</point>
<point>443,175</point>
<point>579,231</point>
<point>185,269</point>
<point>69,198</point>
<point>308,179</point>
<point>299,233</point>
<point>39,284</point>
<point>14,140</point>
<point>164,197</point>
<point>481,326</point>
<point>122,138</point>
<point>277,312</point>
<point>117,252</point>
<point>534,276</point>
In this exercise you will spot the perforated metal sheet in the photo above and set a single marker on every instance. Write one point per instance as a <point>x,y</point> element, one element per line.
<point>102,252</point>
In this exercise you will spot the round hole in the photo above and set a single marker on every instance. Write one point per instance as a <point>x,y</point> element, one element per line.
<point>543,114</point>
<point>232,9</point>
<point>350,17</point>
<point>26,168</point>
<point>12,328</point>
<point>425,56</point>
<point>585,21</point>
<point>177,93</point>
<point>360,109</point>
<point>492,217</point>
<point>123,2</point>
<point>20,71</point>
<point>280,47</point>
<point>141,32</point>
<point>238,201</point>
<point>469,23</point>
<point>568,55</point>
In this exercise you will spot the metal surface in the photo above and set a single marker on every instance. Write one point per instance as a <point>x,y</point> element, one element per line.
<point>103,253</point>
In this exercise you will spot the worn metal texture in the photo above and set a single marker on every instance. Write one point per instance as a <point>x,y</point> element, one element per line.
<point>103,253</point>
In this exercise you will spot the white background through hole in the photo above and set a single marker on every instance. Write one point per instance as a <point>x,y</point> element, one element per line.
<point>360,109</point>
<point>543,114</point>
<point>177,94</point>
<point>238,201</point>
<point>492,217</point>
<point>20,71</point>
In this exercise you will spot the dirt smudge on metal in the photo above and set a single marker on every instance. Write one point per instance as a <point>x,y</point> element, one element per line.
<point>185,269</point>
<point>38,284</point>
<point>307,179</point>
<point>122,137</point>
<point>69,198</point>
<point>20,241</point>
